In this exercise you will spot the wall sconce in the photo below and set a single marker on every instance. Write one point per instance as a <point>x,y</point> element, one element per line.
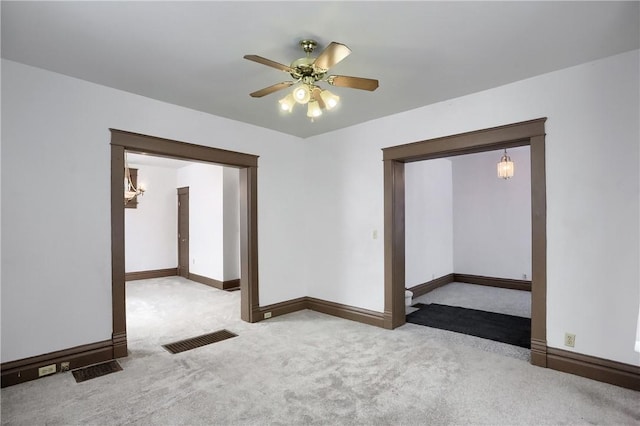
<point>131,190</point>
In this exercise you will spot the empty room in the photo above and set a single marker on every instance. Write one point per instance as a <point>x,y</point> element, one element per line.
<point>181,248</point>
<point>322,110</point>
<point>468,244</point>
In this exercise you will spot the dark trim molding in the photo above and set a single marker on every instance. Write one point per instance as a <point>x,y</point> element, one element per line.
<point>424,288</point>
<point>231,284</point>
<point>508,136</point>
<point>249,243</point>
<point>531,133</point>
<point>221,285</point>
<point>23,370</point>
<point>145,144</point>
<point>602,370</point>
<point>282,308</point>
<point>493,281</point>
<point>152,273</point>
<point>538,352</point>
<point>248,170</point>
<point>118,305</point>
<point>330,308</point>
<point>345,311</point>
<point>394,244</point>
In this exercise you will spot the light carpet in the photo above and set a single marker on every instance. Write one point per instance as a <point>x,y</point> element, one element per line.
<point>308,368</point>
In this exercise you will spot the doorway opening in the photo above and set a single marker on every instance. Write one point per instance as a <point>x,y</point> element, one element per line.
<point>247,168</point>
<point>529,133</point>
<point>468,247</point>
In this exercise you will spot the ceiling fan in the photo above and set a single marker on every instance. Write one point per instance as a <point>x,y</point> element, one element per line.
<point>308,71</point>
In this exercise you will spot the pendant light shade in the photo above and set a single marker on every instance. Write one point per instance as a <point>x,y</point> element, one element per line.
<point>330,100</point>
<point>302,94</point>
<point>287,103</point>
<point>505,166</point>
<point>313,109</point>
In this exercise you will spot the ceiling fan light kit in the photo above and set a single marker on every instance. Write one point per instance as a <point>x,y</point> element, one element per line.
<point>330,100</point>
<point>287,103</point>
<point>302,94</point>
<point>307,72</point>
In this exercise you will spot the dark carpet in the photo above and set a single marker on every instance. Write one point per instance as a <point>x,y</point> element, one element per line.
<point>488,325</point>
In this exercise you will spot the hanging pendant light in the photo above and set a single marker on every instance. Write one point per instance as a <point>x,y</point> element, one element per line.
<point>505,166</point>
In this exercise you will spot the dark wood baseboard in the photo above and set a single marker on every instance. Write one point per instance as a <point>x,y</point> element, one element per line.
<point>231,284</point>
<point>24,370</point>
<point>282,308</point>
<point>493,282</point>
<point>220,285</point>
<point>155,273</point>
<point>119,341</point>
<point>424,288</point>
<point>345,311</point>
<point>331,308</point>
<point>539,352</point>
<point>602,370</point>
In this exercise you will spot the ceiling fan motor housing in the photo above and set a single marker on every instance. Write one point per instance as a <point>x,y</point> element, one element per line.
<point>308,45</point>
<point>304,68</point>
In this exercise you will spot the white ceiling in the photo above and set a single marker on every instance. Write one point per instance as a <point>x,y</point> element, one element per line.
<point>191,53</point>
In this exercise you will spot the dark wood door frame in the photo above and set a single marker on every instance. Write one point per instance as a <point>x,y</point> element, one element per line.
<point>183,217</point>
<point>248,168</point>
<point>530,133</point>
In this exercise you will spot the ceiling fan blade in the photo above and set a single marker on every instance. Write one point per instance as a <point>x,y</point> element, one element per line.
<point>269,63</point>
<point>316,95</point>
<point>268,90</point>
<point>331,55</point>
<point>353,82</point>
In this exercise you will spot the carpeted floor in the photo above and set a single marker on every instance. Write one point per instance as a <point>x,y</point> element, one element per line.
<point>308,368</point>
<point>491,299</point>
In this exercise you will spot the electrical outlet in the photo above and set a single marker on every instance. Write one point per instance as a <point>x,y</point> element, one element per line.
<point>524,276</point>
<point>64,366</point>
<point>267,315</point>
<point>569,340</point>
<point>46,370</point>
<point>374,234</point>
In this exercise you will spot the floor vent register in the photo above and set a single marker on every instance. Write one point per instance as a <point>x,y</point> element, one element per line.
<point>199,341</point>
<point>97,370</point>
